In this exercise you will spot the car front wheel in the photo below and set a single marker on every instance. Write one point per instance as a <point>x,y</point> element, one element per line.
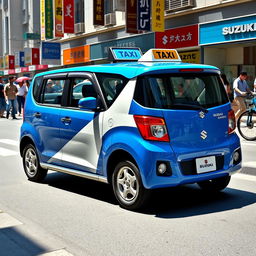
<point>128,187</point>
<point>31,164</point>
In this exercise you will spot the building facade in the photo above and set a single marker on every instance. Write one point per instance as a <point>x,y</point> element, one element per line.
<point>216,32</point>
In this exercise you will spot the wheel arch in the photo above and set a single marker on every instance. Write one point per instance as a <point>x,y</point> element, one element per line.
<point>25,141</point>
<point>116,157</point>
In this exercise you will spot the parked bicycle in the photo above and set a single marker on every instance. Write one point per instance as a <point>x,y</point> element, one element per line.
<point>246,123</point>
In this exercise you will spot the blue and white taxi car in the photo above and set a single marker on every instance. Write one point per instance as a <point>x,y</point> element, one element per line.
<point>152,123</point>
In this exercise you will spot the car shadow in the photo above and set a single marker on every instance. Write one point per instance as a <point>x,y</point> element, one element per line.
<point>177,202</point>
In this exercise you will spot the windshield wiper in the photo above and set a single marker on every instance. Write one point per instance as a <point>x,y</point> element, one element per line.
<point>189,106</point>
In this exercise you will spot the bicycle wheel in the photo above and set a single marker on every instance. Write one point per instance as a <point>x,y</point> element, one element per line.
<point>246,125</point>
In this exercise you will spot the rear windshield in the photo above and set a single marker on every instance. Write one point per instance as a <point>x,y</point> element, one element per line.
<point>180,91</point>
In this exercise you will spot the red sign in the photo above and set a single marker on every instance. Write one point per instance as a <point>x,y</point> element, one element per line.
<point>11,71</point>
<point>177,37</point>
<point>25,69</point>
<point>68,16</point>
<point>40,67</point>
<point>12,62</point>
<point>35,56</point>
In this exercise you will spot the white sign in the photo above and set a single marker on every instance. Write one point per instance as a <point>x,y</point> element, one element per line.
<point>206,164</point>
<point>244,28</point>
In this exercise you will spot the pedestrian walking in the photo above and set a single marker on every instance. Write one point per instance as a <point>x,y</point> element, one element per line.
<point>10,91</point>
<point>2,99</point>
<point>241,89</point>
<point>21,95</point>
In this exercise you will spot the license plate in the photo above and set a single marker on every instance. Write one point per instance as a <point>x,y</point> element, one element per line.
<point>206,164</point>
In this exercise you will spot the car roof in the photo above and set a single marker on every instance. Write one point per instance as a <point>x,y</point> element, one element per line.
<point>133,69</point>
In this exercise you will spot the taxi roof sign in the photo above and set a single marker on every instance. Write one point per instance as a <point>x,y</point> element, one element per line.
<point>161,55</point>
<point>124,54</point>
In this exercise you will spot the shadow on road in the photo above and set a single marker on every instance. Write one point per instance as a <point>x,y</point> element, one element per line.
<point>15,243</point>
<point>178,202</point>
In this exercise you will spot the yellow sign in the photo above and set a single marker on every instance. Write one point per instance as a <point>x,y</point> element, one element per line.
<point>190,57</point>
<point>165,54</point>
<point>158,15</point>
<point>42,19</point>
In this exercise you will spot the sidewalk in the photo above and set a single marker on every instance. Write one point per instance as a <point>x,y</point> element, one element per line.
<point>16,240</point>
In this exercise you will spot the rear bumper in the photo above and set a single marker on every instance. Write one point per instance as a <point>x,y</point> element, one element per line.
<point>178,177</point>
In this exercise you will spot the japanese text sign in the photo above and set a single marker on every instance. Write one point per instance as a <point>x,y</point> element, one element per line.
<point>69,16</point>
<point>144,8</point>
<point>58,16</point>
<point>158,15</point>
<point>178,37</point>
<point>98,12</point>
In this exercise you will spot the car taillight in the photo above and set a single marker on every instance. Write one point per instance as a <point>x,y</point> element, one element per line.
<point>231,122</point>
<point>152,128</point>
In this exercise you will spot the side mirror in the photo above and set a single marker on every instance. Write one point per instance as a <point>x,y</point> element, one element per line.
<point>88,103</point>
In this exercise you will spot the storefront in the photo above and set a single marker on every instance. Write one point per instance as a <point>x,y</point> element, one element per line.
<point>99,51</point>
<point>230,45</point>
<point>184,39</point>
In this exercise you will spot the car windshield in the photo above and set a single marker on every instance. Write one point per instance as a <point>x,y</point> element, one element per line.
<point>180,91</point>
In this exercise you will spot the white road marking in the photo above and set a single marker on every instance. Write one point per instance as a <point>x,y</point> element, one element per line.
<point>8,221</point>
<point>250,164</point>
<point>57,253</point>
<point>242,176</point>
<point>9,142</point>
<point>8,152</point>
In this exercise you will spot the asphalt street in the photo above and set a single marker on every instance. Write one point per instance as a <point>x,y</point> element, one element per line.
<point>67,215</point>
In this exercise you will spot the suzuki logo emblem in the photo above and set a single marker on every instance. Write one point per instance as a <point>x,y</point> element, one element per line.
<point>203,134</point>
<point>201,114</point>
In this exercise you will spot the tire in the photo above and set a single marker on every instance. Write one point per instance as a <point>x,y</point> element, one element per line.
<point>214,185</point>
<point>127,186</point>
<point>248,132</point>
<point>31,164</point>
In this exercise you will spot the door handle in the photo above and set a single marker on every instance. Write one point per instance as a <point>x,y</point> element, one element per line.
<point>37,114</point>
<point>66,119</point>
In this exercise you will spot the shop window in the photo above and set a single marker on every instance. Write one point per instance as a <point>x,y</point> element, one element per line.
<point>79,11</point>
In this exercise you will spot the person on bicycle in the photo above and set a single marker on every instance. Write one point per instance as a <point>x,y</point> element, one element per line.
<point>241,89</point>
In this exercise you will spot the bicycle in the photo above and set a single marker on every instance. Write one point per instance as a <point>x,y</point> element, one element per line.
<point>247,121</point>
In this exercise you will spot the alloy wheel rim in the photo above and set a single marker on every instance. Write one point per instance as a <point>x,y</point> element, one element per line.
<point>127,184</point>
<point>31,162</point>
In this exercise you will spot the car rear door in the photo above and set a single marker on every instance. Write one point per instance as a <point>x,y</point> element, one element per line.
<point>80,129</point>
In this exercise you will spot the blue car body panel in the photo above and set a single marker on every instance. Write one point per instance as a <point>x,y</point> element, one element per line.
<point>87,143</point>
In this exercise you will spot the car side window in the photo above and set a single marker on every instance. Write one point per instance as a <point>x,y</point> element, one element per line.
<point>53,91</point>
<point>81,88</point>
<point>111,85</point>
<point>37,87</point>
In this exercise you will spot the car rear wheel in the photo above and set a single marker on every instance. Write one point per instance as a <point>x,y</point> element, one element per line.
<point>215,185</point>
<point>128,187</point>
<point>31,164</point>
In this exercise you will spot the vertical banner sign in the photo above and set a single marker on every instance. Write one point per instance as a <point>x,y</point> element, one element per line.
<point>42,19</point>
<point>158,15</point>
<point>69,16</point>
<point>48,19</point>
<point>17,59</point>
<point>35,56</point>
<point>1,62</point>
<point>98,12</point>
<point>11,62</point>
<point>131,16</point>
<point>58,17</point>
<point>144,9</point>
<point>22,59</point>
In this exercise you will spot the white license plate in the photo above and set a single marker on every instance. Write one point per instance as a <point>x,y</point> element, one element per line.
<point>206,164</point>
